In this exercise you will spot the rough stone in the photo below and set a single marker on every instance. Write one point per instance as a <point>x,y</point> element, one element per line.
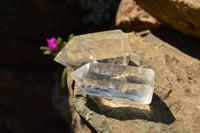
<point>186,44</point>
<point>182,15</point>
<point>63,104</point>
<point>176,100</point>
<point>131,17</point>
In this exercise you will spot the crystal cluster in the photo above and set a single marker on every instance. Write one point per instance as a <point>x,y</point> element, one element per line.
<point>110,46</point>
<point>100,63</point>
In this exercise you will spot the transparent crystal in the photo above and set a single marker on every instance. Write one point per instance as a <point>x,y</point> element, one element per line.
<point>116,81</point>
<point>110,46</point>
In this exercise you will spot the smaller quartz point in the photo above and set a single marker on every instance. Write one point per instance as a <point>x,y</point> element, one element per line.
<point>116,81</point>
<point>109,46</point>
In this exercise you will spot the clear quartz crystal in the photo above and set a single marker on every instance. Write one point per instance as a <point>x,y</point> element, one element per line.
<point>116,81</point>
<point>110,46</point>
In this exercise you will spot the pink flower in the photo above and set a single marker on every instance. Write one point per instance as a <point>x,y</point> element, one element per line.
<point>52,43</point>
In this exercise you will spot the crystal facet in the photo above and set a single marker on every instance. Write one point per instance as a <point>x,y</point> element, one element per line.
<point>116,81</point>
<point>110,46</point>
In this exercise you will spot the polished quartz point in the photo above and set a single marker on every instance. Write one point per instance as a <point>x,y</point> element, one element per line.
<point>108,46</point>
<point>116,81</point>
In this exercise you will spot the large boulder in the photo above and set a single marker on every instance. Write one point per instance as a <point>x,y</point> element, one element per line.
<point>176,102</point>
<point>131,17</point>
<point>182,15</point>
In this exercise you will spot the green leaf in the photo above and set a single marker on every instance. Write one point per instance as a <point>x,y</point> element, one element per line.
<point>70,37</point>
<point>64,78</point>
<point>47,52</point>
<point>44,48</point>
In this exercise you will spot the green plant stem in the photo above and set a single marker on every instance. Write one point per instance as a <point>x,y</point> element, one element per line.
<point>64,78</point>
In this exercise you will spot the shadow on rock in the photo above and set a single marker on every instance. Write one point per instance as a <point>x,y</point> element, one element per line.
<point>157,111</point>
<point>184,43</point>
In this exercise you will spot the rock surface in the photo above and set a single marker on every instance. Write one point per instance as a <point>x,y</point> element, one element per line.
<point>63,104</point>
<point>131,17</point>
<point>182,15</point>
<point>176,101</point>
